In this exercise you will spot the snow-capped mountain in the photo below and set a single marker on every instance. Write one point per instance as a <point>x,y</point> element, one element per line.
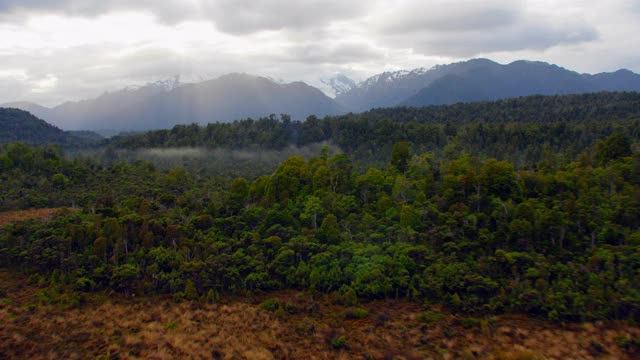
<point>338,84</point>
<point>391,88</point>
<point>162,85</point>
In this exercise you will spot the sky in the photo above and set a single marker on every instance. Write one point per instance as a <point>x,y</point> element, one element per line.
<point>55,51</point>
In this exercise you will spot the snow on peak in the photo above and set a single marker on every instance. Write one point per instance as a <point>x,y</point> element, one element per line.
<point>163,85</point>
<point>339,84</point>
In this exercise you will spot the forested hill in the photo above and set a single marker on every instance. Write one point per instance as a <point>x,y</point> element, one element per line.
<point>519,130</point>
<point>18,125</point>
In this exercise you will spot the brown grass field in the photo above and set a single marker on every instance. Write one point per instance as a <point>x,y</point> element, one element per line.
<point>108,326</point>
<point>7,217</point>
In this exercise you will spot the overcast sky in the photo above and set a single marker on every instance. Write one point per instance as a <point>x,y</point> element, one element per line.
<point>52,51</point>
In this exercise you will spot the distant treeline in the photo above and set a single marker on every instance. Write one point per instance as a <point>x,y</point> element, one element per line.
<point>522,130</point>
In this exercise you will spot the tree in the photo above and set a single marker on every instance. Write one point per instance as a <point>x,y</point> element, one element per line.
<point>498,178</point>
<point>190,291</point>
<point>124,277</point>
<point>329,231</point>
<point>400,155</point>
<point>613,147</point>
<point>312,208</point>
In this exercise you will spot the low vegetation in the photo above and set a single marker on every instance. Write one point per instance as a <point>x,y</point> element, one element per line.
<point>105,326</point>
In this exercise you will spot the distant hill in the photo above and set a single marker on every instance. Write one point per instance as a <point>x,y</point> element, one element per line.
<point>163,105</point>
<point>478,80</point>
<point>19,125</point>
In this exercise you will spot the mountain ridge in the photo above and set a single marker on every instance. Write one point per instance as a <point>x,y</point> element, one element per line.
<point>236,96</point>
<point>519,78</point>
<point>226,98</point>
<point>403,87</point>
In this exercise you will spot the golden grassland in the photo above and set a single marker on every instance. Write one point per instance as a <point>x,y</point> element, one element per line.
<point>8,217</point>
<point>109,326</point>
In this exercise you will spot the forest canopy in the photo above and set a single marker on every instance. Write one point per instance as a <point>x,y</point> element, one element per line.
<point>553,239</point>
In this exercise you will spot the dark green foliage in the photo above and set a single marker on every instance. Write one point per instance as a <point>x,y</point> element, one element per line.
<point>400,155</point>
<point>278,307</point>
<point>190,291</point>
<point>271,305</point>
<point>613,147</point>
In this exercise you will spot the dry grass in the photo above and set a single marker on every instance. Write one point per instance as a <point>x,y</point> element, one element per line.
<point>239,328</point>
<point>8,217</point>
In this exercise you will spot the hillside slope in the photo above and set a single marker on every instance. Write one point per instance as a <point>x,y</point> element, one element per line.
<point>21,126</point>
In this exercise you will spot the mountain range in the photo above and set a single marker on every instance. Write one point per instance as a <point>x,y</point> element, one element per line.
<point>238,96</point>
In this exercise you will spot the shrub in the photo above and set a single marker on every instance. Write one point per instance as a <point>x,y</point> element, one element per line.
<point>469,323</point>
<point>431,316</point>
<point>170,326</point>
<point>84,284</point>
<point>339,342</point>
<point>347,296</point>
<point>279,308</point>
<point>271,304</point>
<point>356,313</point>
<point>190,291</point>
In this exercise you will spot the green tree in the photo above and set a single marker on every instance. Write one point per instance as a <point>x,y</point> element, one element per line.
<point>329,231</point>
<point>312,208</point>
<point>401,155</point>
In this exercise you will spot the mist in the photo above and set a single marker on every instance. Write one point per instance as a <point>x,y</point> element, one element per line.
<point>247,162</point>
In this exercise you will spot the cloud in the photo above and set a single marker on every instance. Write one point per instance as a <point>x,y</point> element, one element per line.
<point>230,16</point>
<point>329,53</point>
<point>14,84</point>
<point>465,28</point>
<point>454,15</point>
<point>535,36</point>
<point>170,11</point>
<point>246,16</point>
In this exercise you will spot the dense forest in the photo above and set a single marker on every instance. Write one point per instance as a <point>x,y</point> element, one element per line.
<point>556,238</point>
<point>524,131</point>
